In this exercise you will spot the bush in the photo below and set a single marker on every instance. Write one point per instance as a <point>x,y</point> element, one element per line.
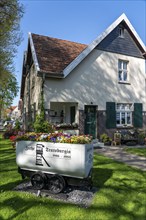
<point>7,134</point>
<point>17,125</point>
<point>141,137</point>
<point>105,138</point>
<point>40,125</point>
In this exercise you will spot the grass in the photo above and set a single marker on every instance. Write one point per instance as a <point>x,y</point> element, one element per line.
<point>137,151</point>
<point>121,193</point>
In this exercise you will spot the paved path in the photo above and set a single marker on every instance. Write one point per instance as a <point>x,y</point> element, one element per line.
<point>118,154</point>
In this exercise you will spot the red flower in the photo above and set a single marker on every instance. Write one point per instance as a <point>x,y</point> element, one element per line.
<point>12,138</point>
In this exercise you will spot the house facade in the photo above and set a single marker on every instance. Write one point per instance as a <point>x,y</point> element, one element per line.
<point>101,86</point>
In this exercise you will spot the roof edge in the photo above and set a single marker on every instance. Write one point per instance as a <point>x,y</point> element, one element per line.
<point>33,52</point>
<point>50,74</point>
<point>95,42</point>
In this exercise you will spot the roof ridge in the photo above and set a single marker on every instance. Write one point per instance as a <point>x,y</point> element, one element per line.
<point>55,38</point>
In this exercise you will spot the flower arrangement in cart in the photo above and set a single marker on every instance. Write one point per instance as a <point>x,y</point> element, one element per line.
<point>45,132</point>
<point>56,137</point>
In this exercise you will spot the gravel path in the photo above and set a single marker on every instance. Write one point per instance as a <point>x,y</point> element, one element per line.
<point>76,195</point>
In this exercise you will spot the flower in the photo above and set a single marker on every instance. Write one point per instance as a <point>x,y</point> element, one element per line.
<point>56,138</point>
<point>13,140</point>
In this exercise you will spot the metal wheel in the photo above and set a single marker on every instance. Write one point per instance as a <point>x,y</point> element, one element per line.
<point>56,184</point>
<point>38,180</point>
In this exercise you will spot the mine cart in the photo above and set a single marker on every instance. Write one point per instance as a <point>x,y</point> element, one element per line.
<point>55,165</point>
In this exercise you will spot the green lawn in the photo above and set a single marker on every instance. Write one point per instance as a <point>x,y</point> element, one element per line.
<point>121,193</point>
<point>137,151</point>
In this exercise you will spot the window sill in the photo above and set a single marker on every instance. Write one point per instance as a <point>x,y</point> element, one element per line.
<point>124,82</point>
<point>124,126</point>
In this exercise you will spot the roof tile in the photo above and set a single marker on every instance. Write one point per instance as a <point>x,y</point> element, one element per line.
<point>55,54</point>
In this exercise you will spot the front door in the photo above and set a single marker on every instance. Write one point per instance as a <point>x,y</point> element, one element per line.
<point>90,120</point>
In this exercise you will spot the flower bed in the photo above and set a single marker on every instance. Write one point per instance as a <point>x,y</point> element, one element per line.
<point>55,138</point>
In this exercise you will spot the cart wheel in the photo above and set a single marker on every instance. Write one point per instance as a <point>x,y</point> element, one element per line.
<point>57,184</point>
<point>38,180</point>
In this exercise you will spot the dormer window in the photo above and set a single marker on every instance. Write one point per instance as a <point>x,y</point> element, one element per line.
<point>121,32</point>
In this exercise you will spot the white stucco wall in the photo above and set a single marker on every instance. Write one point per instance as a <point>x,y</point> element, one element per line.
<point>96,80</point>
<point>16,113</point>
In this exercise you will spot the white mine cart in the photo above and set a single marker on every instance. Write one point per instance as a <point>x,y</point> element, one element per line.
<point>55,165</point>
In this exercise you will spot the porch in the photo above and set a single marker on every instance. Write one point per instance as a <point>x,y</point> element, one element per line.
<point>63,115</point>
<point>69,116</point>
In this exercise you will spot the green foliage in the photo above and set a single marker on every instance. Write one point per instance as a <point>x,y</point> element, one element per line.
<point>40,125</point>
<point>11,12</point>
<point>17,125</point>
<point>8,91</point>
<point>105,138</point>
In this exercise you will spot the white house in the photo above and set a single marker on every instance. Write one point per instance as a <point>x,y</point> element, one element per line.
<point>100,86</point>
<point>13,113</point>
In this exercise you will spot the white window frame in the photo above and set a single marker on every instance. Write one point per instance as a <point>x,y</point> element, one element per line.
<point>124,109</point>
<point>122,71</point>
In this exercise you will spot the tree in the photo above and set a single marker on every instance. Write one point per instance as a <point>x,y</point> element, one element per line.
<point>11,12</point>
<point>8,90</point>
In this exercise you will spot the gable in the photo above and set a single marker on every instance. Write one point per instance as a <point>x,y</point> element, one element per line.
<point>132,33</point>
<point>124,44</point>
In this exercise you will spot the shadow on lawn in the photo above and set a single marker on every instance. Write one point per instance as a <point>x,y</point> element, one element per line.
<point>100,176</point>
<point>21,206</point>
<point>9,186</point>
<point>114,207</point>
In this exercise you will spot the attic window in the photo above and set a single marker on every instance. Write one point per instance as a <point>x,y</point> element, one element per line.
<point>121,32</point>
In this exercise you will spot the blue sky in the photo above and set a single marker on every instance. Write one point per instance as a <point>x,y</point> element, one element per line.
<point>79,21</point>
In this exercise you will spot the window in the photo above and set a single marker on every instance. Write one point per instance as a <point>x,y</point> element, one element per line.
<point>124,114</point>
<point>121,32</point>
<point>122,71</point>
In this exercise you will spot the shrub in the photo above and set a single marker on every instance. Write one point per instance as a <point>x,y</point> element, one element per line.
<point>17,125</point>
<point>7,134</point>
<point>105,138</point>
<point>141,137</point>
<point>40,125</point>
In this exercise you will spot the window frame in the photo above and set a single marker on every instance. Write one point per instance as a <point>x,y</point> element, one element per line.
<point>123,70</point>
<point>122,109</point>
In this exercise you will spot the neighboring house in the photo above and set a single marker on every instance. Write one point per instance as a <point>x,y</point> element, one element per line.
<point>16,114</point>
<point>13,112</point>
<point>9,111</point>
<point>100,86</point>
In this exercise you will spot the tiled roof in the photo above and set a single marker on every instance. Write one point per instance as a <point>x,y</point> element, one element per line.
<point>54,54</point>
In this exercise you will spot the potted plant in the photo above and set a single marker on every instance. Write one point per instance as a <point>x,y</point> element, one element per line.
<point>105,139</point>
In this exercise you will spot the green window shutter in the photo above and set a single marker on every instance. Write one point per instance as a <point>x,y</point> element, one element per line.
<point>138,118</point>
<point>110,115</point>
